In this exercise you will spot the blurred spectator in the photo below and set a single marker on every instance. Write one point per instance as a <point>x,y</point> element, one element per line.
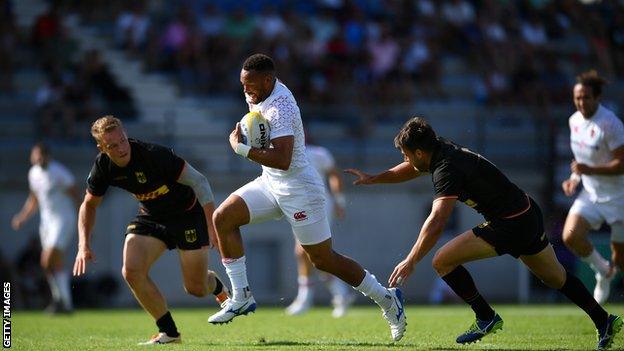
<point>132,28</point>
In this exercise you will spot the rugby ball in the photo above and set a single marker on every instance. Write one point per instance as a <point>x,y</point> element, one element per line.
<point>255,130</point>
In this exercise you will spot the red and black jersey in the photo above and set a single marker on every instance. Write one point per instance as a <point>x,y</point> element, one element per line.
<point>151,176</point>
<point>458,172</point>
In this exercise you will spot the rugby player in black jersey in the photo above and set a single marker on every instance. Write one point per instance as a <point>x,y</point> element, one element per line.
<point>176,212</point>
<point>514,226</point>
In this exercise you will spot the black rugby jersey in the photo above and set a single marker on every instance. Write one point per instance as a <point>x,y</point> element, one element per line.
<point>151,176</point>
<point>472,179</point>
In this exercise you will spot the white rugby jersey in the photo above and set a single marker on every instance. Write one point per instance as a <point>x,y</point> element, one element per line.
<point>592,141</point>
<point>50,187</point>
<point>284,117</point>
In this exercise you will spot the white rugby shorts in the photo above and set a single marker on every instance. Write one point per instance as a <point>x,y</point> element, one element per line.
<point>595,213</point>
<point>57,231</point>
<point>300,198</point>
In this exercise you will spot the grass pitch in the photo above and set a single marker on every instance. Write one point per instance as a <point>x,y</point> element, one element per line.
<point>532,327</point>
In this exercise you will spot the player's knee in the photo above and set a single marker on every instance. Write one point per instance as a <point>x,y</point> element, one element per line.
<point>568,239</point>
<point>440,264</point>
<point>196,289</point>
<point>132,275</point>
<point>221,220</point>
<point>322,262</point>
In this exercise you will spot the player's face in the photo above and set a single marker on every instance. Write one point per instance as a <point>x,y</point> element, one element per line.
<point>415,158</point>
<point>584,100</point>
<point>38,158</point>
<point>116,146</point>
<point>256,85</point>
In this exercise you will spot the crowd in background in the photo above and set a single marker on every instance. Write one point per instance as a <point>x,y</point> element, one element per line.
<point>384,52</point>
<point>329,52</point>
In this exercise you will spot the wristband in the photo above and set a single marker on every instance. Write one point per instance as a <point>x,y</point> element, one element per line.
<point>242,149</point>
<point>340,200</point>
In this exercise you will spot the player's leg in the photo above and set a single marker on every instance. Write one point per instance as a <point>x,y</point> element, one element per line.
<point>546,267</point>
<point>52,264</point>
<point>305,290</point>
<point>316,241</point>
<point>139,254</point>
<point>580,220</point>
<point>249,204</point>
<point>198,280</point>
<point>55,236</point>
<point>448,263</point>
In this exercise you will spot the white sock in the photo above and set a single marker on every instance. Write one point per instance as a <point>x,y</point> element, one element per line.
<point>371,288</point>
<point>62,279</point>
<point>337,287</point>
<point>596,262</point>
<point>305,291</point>
<point>54,289</point>
<point>237,272</point>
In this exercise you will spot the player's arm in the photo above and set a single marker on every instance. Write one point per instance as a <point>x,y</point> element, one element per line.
<point>86,221</point>
<point>30,207</point>
<point>279,156</point>
<point>613,167</point>
<point>400,173</point>
<point>429,235</point>
<point>200,185</point>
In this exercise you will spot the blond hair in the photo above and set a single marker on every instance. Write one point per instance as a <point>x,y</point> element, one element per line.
<point>104,125</point>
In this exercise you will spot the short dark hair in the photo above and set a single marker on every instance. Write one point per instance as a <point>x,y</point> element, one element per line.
<point>416,134</point>
<point>259,63</point>
<point>592,80</point>
<point>43,147</point>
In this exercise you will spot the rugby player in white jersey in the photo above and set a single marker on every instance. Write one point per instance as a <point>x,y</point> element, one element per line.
<point>324,163</point>
<point>54,193</point>
<point>288,187</point>
<point>597,141</point>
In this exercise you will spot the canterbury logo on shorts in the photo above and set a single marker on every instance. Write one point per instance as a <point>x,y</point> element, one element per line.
<point>300,216</point>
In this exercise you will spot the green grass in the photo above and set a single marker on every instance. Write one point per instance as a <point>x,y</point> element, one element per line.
<point>535,327</point>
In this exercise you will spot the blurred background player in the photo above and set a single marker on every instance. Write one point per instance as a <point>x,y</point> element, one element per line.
<point>288,187</point>
<point>176,210</point>
<point>514,226</point>
<point>324,163</point>
<point>54,193</point>
<point>597,141</point>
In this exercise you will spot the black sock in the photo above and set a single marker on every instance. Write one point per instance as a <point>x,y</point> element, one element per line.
<point>574,290</point>
<point>167,325</point>
<point>218,288</point>
<point>462,284</point>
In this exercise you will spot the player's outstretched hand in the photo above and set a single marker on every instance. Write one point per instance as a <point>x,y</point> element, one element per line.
<point>82,257</point>
<point>362,178</point>
<point>16,222</point>
<point>400,273</point>
<point>235,136</point>
<point>569,186</point>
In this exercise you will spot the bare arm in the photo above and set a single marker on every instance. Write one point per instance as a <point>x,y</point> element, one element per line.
<point>397,174</point>
<point>86,221</point>
<point>335,187</point>
<point>30,207</point>
<point>279,156</point>
<point>613,167</point>
<point>428,237</point>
